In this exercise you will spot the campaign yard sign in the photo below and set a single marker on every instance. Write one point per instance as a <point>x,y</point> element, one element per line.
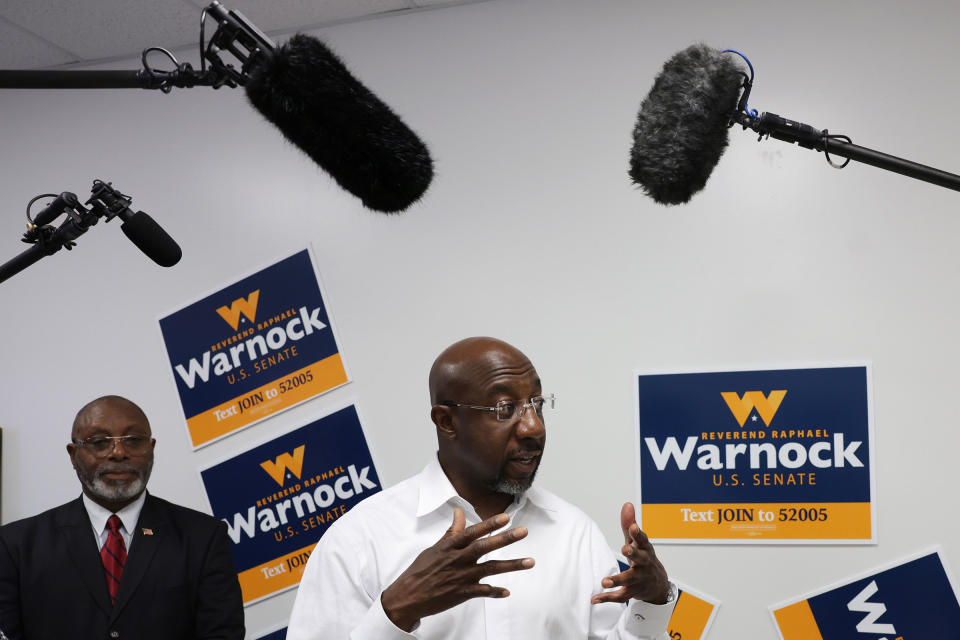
<point>252,348</point>
<point>281,496</point>
<point>693,613</point>
<point>767,456</point>
<point>914,598</point>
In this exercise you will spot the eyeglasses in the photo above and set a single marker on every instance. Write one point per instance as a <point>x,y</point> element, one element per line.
<point>508,409</point>
<point>101,446</point>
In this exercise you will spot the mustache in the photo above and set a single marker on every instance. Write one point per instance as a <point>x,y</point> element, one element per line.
<point>117,467</point>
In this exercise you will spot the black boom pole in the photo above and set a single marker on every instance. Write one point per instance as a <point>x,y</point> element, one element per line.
<point>809,137</point>
<point>17,79</point>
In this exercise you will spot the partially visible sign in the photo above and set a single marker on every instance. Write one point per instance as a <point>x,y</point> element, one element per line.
<point>911,599</point>
<point>253,348</point>
<point>769,456</point>
<point>279,634</point>
<point>693,615</point>
<point>280,497</point>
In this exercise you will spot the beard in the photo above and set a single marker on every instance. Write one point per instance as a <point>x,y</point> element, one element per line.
<point>115,492</point>
<point>513,487</point>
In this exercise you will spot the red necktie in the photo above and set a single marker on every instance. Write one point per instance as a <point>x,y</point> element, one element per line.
<point>114,556</point>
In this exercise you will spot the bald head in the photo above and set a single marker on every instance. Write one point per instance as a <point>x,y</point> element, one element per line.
<point>467,366</point>
<point>111,449</point>
<point>488,458</point>
<point>94,407</point>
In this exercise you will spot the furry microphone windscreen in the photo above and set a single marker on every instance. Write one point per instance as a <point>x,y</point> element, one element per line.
<point>681,129</point>
<point>308,93</point>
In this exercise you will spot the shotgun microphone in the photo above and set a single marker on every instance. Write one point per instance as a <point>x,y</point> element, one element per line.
<point>104,202</point>
<point>681,129</point>
<point>301,87</point>
<point>306,91</point>
<point>148,236</point>
<point>140,228</point>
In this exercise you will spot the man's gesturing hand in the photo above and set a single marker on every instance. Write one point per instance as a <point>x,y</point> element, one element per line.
<point>646,578</point>
<point>447,573</point>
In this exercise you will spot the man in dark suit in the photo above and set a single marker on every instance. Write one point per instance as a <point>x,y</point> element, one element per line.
<point>117,563</point>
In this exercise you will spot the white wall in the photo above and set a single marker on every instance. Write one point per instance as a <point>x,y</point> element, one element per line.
<point>530,232</point>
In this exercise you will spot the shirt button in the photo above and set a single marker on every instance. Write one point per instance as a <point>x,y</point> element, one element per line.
<point>114,634</point>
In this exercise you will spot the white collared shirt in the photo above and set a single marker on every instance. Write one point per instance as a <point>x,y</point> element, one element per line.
<point>368,548</point>
<point>128,517</point>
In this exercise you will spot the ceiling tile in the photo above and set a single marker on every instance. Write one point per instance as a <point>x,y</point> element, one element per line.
<point>21,50</point>
<point>102,30</point>
<point>440,3</point>
<point>291,15</point>
<point>107,28</point>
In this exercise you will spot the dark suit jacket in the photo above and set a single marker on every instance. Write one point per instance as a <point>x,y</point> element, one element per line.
<point>179,581</point>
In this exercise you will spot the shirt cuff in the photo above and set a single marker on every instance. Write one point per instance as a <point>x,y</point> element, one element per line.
<point>647,620</point>
<point>375,625</point>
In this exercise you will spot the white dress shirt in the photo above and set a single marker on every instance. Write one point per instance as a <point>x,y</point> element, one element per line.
<point>128,518</point>
<point>368,548</point>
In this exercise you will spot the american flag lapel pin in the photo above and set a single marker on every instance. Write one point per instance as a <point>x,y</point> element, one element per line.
<point>147,532</point>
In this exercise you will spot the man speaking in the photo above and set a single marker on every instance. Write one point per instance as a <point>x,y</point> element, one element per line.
<point>117,563</point>
<point>429,558</point>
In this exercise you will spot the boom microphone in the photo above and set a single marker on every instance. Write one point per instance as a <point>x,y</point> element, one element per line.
<point>143,231</point>
<point>307,92</point>
<point>105,202</point>
<point>681,129</point>
<point>140,228</point>
<point>301,87</point>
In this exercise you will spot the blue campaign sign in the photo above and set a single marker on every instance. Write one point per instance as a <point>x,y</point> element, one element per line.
<point>756,456</point>
<point>280,634</point>
<point>280,497</point>
<point>254,347</point>
<point>915,598</point>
